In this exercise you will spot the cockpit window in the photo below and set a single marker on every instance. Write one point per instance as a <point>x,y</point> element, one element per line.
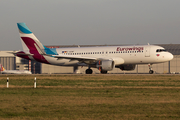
<point>161,50</point>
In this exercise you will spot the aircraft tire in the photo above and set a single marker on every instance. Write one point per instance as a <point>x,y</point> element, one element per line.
<point>151,72</point>
<point>89,71</point>
<point>103,72</point>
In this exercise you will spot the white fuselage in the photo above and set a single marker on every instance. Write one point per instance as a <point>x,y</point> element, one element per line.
<point>139,54</point>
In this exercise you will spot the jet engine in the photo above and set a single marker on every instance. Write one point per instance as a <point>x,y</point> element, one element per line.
<point>127,67</point>
<point>105,65</point>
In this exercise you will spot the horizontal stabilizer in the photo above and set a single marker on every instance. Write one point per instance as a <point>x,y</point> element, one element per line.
<point>25,54</point>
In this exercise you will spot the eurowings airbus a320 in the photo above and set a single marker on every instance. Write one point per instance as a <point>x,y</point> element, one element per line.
<point>103,58</point>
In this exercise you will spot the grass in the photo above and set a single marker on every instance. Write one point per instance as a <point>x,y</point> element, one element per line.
<point>90,97</point>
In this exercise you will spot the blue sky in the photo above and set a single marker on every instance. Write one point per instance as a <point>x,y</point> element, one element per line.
<point>91,22</point>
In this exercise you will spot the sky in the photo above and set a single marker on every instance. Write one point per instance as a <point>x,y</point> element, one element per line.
<point>91,22</point>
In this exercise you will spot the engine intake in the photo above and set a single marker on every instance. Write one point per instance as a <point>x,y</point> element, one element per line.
<point>105,65</point>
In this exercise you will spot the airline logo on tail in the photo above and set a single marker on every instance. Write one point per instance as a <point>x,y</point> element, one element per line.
<point>23,28</point>
<point>2,68</point>
<point>30,42</point>
<point>32,46</point>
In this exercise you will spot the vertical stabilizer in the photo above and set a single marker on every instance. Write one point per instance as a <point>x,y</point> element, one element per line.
<point>1,68</point>
<point>29,41</point>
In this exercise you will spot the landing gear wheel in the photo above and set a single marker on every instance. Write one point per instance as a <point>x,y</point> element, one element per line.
<point>151,72</point>
<point>89,71</point>
<point>104,72</point>
<point>150,69</point>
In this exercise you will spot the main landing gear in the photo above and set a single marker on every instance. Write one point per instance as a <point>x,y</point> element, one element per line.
<point>150,69</point>
<point>89,71</point>
<point>103,72</point>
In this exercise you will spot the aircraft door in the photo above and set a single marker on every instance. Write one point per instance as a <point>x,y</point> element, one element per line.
<point>147,51</point>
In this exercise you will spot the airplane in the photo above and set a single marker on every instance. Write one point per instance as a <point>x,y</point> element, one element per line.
<point>104,58</point>
<point>4,71</point>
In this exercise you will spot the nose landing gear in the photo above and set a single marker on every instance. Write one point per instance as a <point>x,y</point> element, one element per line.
<point>150,69</point>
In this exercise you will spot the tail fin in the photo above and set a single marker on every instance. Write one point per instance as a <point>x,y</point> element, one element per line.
<point>31,45</point>
<point>29,41</point>
<point>2,68</point>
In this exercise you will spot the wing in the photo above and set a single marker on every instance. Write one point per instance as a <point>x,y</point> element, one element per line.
<point>81,59</point>
<point>88,60</point>
<point>73,57</point>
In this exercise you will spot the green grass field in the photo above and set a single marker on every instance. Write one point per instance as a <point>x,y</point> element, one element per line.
<point>90,97</point>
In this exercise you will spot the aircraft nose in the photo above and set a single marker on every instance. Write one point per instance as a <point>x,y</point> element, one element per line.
<point>170,56</point>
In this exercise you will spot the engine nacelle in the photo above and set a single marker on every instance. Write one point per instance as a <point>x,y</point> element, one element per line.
<point>105,65</point>
<point>127,67</point>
